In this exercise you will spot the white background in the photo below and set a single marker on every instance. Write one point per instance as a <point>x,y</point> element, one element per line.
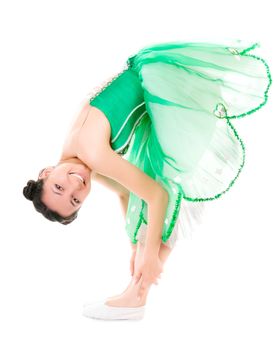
<point>218,290</point>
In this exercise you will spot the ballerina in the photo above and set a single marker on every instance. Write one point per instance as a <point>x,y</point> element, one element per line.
<point>159,135</point>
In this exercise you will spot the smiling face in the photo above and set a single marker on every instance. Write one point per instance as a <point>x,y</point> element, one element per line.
<point>64,190</point>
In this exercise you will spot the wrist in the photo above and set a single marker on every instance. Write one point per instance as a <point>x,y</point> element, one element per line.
<point>152,244</point>
<point>151,251</point>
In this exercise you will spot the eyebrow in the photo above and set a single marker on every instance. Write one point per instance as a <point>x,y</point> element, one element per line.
<point>61,194</point>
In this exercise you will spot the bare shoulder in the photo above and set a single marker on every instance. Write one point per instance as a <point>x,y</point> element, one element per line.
<point>88,112</point>
<point>89,129</point>
<point>94,131</point>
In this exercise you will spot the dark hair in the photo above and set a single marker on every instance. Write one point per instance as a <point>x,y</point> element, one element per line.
<point>33,191</point>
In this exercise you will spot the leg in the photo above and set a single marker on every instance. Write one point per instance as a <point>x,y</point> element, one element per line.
<point>133,258</point>
<point>129,297</point>
<point>163,255</point>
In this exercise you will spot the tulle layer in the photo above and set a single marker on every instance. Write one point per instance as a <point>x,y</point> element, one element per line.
<point>186,141</point>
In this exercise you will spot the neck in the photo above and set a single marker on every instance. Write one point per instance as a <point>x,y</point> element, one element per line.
<point>74,160</point>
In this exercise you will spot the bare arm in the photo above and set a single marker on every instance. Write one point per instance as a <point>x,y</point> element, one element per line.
<point>108,163</point>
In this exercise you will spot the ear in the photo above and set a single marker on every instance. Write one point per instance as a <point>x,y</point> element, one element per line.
<point>45,172</point>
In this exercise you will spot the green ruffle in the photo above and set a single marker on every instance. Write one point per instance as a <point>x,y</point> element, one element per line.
<point>156,151</point>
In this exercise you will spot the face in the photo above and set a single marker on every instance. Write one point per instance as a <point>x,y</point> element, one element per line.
<point>64,191</point>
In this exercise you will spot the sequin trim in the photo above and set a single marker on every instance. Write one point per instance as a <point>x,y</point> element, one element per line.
<point>233,181</point>
<point>141,219</point>
<point>166,236</point>
<point>243,53</point>
<point>102,88</point>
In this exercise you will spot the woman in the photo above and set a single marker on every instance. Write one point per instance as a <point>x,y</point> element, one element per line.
<point>157,133</point>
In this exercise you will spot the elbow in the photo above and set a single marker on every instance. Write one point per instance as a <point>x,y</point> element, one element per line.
<point>165,196</point>
<point>160,195</point>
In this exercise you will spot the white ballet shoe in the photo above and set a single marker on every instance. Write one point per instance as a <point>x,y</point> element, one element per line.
<point>100,310</point>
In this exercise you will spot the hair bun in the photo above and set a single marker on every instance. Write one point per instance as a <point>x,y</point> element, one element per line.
<point>30,189</point>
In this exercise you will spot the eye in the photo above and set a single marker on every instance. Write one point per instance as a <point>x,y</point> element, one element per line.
<point>58,187</point>
<point>77,201</point>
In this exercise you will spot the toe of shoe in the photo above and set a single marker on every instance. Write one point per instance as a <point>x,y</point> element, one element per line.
<point>94,310</point>
<point>100,310</point>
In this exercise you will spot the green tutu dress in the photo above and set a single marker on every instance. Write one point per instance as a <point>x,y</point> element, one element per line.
<point>170,110</point>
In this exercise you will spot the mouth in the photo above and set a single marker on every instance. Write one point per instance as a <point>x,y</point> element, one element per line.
<point>79,177</point>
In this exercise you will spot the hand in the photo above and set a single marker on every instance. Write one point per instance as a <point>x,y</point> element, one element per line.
<point>147,272</point>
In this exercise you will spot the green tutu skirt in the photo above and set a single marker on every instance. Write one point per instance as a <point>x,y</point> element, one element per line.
<point>186,140</point>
